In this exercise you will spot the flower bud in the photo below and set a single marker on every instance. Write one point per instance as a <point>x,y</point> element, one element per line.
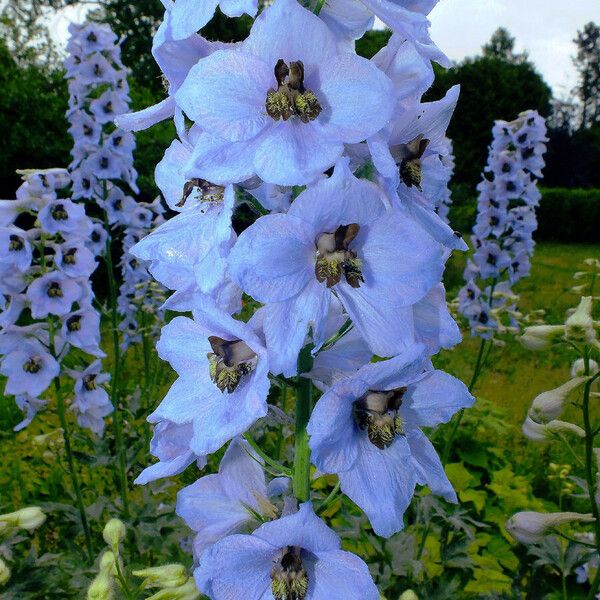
<point>27,518</point>
<point>539,432</point>
<point>114,532</point>
<point>550,405</point>
<point>4,572</point>
<point>578,368</point>
<point>408,595</point>
<point>530,527</point>
<point>539,337</point>
<point>167,576</point>
<point>579,327</point>
<point>102,588</point>
<point>188,591</point>
<point>107,562</point>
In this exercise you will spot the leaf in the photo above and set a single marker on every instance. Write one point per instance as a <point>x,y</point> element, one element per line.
<point>478,497</point>
<point>486,581</point>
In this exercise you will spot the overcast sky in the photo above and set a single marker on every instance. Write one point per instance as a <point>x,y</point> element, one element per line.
<point>545,28</point>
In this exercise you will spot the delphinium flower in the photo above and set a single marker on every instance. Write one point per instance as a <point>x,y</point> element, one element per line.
<point>341,262</point>
<point>49,327</point>
<point>503,233</point>
<point>46,267</point>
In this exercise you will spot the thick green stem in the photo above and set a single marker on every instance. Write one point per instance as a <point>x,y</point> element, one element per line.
<point>589,469</point>
<point>72,472</point>
<point>116,372</point>
<point>301,479</point>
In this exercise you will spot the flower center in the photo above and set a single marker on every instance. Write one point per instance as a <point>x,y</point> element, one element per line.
<point>291,97</point>
<point>70,256</point>
<point>54,290</point>
<point>16,243</point>
<point>334,258</point>
<point>89,382</point>
<point>74,323</point>
<point>408,158</point>
<point>210,192</point>
<point>377,413</point>
<point>59,213</point>
<point>33,365</point>
<point>104,162</point>
<point>229,362</point>
<point>289,580</point>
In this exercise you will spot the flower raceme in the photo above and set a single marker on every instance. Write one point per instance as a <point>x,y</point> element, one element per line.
<point>340,161</point>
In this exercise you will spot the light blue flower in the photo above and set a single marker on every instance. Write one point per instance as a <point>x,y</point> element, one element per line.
<point>230,501</point>
<point>296,556</point>
<point>288,127</point>
<point>337,238</point>
<point>223,377</point>
<point>366,429</point>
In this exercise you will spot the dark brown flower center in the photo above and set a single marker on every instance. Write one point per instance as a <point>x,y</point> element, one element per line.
<point>229,362</point>
<point>408,158</point>
<point>289,580</point>
<point>377,413</point>
<point>16,243</point>
<point>291,98</point>
<point>70,256</point>
<point>89,382</point>
<point>335,259</point>
<point>59,213</point>
<point>74,323</point>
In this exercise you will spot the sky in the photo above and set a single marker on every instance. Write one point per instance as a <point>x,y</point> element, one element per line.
<point>544,28</point>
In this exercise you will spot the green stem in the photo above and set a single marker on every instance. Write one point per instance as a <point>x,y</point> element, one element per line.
<point>114,384</point>
<point>72,472</point>
<point>301,477</point>
<point>329,500</point>
<point>457,421</point>
<point>319,6</point>
<point>589,468</point>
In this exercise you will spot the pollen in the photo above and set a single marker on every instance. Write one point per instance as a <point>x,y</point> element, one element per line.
<point>54,290</point>
<point>336,260</point>
<point>59,213</point>
<point>289,580</point>
<point>291,98</point>
<point>377,414</point>
<point>229,363</point>
<point>70,256</point>
<point>89,382</point>
<point>33,365</point>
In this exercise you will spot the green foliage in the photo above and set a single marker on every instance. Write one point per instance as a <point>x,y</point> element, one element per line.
<point>372,42</point>
<point>33,127</point>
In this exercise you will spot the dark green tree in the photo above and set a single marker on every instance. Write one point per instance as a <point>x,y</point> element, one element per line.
<point>502,46</point>
<point>587,63</point>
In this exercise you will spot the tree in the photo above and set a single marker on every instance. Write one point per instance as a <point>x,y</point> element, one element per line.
<point>491,88</point>
<point>502,46</point>
<point>587,63</point>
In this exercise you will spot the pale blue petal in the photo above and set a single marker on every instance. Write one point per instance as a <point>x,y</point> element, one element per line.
<point>288,31</point>
<point>435,398</point>
<point>189,16</point>
<point>225,92</point>
<point>357,98</point>
<point>381,483</point>
<point>238,566</point>
<point>273,259</point>
<point>303,529</point>
<point>340,574</point>
<point>286,325</point>
<point>293,153</point>
<point>428,466</point>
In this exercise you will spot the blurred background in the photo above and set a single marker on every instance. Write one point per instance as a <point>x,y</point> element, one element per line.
<point>508,56</point>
